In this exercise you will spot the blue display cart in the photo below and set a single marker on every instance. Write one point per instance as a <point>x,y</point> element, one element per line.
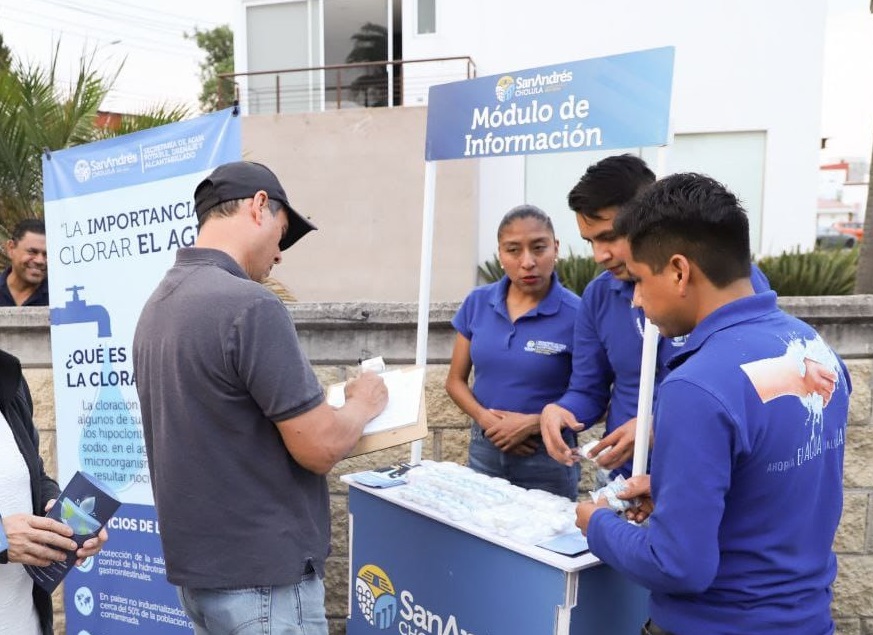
<point>415,573</point>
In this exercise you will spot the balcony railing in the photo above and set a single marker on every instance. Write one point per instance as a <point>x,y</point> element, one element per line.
<point>338,86</point>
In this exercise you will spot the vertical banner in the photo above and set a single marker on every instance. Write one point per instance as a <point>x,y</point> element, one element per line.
<point>115,213</point>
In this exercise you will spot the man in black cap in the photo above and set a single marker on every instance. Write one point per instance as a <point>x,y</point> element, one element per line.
<point>237,431</point>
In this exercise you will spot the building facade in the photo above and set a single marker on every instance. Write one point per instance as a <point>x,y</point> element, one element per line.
<point>746,92</point>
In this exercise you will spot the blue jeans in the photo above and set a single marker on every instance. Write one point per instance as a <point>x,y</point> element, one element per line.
<point>295,609</point>
<point>537,471</point>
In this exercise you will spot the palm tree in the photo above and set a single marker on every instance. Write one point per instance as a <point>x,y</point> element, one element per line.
<point>5,54</point>
<point>370,45</point>
<point>39,112</point>
<point>35,114</point>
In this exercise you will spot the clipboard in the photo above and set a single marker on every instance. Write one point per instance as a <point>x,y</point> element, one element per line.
<point>401,426</point>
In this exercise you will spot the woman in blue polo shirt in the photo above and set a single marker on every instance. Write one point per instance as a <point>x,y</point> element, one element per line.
<point>518,335</point>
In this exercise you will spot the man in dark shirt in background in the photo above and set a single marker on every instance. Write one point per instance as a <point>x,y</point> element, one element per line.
<point>25,280</point>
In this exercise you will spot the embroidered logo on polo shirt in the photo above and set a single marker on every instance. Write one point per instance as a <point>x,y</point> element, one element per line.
<point>541,347</point>
<point>678,341</point>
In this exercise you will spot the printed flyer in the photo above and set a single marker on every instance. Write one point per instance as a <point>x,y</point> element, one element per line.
<point>85,506</point>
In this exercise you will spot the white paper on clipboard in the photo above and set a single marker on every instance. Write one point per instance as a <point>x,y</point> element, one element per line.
<point>405,391</point>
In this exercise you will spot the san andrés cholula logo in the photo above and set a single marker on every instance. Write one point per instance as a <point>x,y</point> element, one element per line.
<point>377,601</point>
<point>505,88</point>
<point>86,170</point>
<point>375,595</point>
<point>508,87</point>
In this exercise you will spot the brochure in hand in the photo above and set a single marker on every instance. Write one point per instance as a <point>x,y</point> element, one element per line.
<point>85,506</point>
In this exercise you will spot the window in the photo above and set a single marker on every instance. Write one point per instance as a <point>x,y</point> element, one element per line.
<point>283,35</point>
<point>426,17</point>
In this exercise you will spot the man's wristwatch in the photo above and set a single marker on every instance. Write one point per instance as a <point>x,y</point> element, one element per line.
<point>4,544</point>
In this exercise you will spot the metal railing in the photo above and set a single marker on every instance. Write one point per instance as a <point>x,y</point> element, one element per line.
<point>357,85</point>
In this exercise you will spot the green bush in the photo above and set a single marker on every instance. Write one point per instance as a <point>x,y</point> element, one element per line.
<point>490,270</point>
<point>574,271</point>
<point>819,272</point>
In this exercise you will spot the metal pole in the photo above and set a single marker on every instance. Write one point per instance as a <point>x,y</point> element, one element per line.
<point>403,85</point>
<point>427,224</point>
<point>648,366</point>
<point>644,404</point>
<point>390,65</point>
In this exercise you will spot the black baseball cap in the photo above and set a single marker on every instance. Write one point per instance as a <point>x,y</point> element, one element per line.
<point>242,179</point>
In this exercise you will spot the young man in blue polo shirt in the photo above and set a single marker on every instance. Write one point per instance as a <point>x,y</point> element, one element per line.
<point>608,339</point>
<point>746,475</point>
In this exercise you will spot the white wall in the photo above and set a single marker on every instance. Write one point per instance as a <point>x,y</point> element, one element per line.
<point>741,65</point>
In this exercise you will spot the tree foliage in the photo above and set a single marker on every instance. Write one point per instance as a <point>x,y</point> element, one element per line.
<point>40,112</point>
<point>5,54</point>
<point>37,113</point>
<point>217,43</point>
<point>574,271</point>
<point>370,44</point>
<point>791,273</point>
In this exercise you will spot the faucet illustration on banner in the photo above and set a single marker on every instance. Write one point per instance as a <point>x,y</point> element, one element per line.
<point>77,311</point>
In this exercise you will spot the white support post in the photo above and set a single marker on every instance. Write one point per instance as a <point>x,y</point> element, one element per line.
<point>424,280</point>
<point>648,366</point>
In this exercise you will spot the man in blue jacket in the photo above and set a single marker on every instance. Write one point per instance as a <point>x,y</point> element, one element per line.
<point>608,337</point>
<point>750,428</point>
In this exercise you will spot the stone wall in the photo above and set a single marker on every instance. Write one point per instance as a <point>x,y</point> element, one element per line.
<point>335,336</point>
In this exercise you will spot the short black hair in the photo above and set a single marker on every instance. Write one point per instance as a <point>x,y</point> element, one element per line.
<point>525,211</point>
<point>32,225</point>
<point>613,181</point>
<point>693,215</point>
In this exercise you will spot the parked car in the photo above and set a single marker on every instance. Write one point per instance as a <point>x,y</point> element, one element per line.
<point>831,238</point>
<point>851,227</point>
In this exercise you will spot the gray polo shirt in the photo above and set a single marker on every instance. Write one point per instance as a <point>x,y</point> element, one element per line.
<point>217,362</point>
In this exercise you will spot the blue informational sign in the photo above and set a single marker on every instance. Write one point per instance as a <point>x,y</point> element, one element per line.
<point>620,101</point>
<point>413,575</point>
<point>115,213</point>
<point>141,157</point>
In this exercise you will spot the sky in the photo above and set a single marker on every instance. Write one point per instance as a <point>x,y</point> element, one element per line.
<point>145,39</point>
<point>847,83</point>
